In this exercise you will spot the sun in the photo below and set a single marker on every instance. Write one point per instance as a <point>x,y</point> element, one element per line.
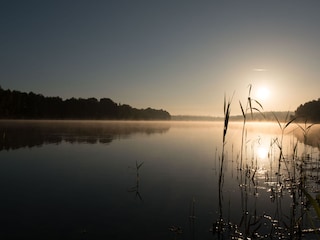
<point>262,93</point>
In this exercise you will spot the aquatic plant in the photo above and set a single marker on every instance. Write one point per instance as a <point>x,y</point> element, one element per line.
<point>135,189</point>
<point>289,178</point>
<point>279,143</point>
<point>227,110</point>
<point>217,227</point>
<point>251,108</point>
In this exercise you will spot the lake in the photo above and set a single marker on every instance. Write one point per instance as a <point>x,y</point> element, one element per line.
<point>158,180</point>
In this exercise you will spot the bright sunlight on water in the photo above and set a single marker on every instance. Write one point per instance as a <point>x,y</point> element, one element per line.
<point>157,180</point>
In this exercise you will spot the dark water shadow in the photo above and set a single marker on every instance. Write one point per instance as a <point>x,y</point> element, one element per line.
<point>21,134</point>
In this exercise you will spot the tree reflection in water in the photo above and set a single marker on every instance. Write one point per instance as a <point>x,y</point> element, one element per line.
<point>20,134</point>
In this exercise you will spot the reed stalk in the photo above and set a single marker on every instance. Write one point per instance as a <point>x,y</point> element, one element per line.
<point>251,108</point>
<point>227,110</point>
<point>279,143</point>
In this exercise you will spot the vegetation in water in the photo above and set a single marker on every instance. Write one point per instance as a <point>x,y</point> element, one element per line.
<point>296,175</point>
<point>248,108</point>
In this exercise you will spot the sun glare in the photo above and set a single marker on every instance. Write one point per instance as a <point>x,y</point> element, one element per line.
<point>262,93</point>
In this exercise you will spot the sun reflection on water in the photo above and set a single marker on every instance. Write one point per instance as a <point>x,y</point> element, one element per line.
<point>262,152</point>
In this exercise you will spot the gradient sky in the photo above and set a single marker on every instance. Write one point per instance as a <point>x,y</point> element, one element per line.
<point>181,56</point>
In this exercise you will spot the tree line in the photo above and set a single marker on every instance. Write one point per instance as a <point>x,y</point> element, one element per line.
<point>309,111</point>
<point>20,105</point>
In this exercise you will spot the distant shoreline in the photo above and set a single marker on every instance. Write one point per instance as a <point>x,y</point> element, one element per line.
<point>255,117</point>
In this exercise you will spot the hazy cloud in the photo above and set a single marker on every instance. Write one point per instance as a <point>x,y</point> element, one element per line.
<point>260,69</point>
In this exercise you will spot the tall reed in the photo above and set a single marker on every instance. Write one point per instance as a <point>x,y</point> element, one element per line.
<point>279,143</point>
<point>218,226</point>
<point>300,185</point>
<point>251,108</point>
<point>136,188</point>
<point>226,110</point>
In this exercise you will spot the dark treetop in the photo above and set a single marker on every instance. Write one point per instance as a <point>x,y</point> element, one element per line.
<point>20,105</point>
<point>310,111</point>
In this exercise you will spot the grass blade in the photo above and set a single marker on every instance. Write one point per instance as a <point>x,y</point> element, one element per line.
<point>138,165</point>
<point>243,114</point>
<point>250,86</point>
<point>258,103</point>
<point>250,106</point>
<point>313,202</point>
<point>224,103</point>
<point>288,123</point>
<point>277,120</point>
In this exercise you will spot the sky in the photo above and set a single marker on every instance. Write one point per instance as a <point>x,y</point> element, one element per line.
<point>181,56</point>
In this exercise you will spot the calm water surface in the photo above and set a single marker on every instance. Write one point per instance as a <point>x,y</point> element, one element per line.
<point>151,180</point>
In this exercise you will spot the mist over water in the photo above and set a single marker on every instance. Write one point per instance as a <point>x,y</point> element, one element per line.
<point>101,179</point>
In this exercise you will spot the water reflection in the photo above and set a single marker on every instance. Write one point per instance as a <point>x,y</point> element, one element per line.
<point>153,185</point>
<point>262,152</point>
<point>278,186</point>
<point>310,137</point>
<point>19,134</point>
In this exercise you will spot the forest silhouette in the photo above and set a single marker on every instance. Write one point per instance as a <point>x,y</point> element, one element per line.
<point>309,111</point>
<point>21,105</point>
